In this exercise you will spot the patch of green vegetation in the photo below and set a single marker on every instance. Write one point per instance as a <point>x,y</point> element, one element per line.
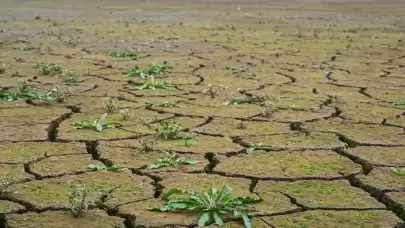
<point>111,167</point>
<point>146,145</point>
<point>37,18</point>
<point>110,105</point>
<point>27,47</point>
<point>125,114</point>
<point>168,131</point>
<point>235,101</point>
<point>69,77</point>
<point>4,185</point>
<point>399,171</point>
<point>48,68</point>
<point>166,104</point>
<point>173,38</point>
<point>98,124</point>
<point>267,43</point>
<point>122,54</point>
<point>50,32</point>
<point>69,43</point>
<point>171,159</point>
<point>153,84</point>
<point>55,95</point>
<point>154,69</point>
<point>212,204</point>
<point>252,147</point>
<point>398,103</point>
<point>189,142</point>
<point>236,68</point>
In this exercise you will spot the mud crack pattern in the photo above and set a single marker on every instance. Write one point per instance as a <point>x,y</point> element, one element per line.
<point>328,136</point>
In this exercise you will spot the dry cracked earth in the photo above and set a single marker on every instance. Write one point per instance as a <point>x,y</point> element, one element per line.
<point>327,148</point>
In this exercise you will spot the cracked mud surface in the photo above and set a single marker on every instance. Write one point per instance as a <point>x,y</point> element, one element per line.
<point>326,150</point>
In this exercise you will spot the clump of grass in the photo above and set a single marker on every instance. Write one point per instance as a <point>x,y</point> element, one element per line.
<point>27,47</point>
<point>171,159</point>
<point>166,104</point>
<point>48,68</point>
<point>154,69</point>
<point>398,171</point>
<point>78,202</point>
<point>268,108</point>
<point>4,185</point>
<point>110,105</point>
<point>240,68</point>
<point>153,84</point>
<point>146,145</point>
<point>122,54</point>
<point>236,101</point>
<point>212,91</point>
<point>211,204</point>
<point>97,124</point>
<point>50,32</point>
<point>168,130</point>
<point>55,95</point>
<point>37,18</point>
<point>125,114</point>
<point>69,77</point>
<point>239,124</point>
<point>110,167</point>
<point>26,92</point>
<point>69,43</point>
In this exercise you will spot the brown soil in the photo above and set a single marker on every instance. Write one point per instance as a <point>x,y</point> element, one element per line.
<point>316,82</point>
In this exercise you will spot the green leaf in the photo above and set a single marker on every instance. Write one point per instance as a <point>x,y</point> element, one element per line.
<point>96,167</point>
<point>250,150</point>
<point>217,219</point>
<point>246,220</point>
<point>154,166</point>
<point>204,219</point>
<point>173,191</point>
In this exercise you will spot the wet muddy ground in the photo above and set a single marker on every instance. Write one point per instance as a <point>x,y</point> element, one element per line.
<point>318,80</point>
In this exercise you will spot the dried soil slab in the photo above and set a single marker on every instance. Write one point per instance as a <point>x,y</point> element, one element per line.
<point>256,223</point>
<point>367,134</point>
<point>378,156</point>
<point>367,112</point>
<point>294,115</point>
<point>54,192</point>
<point>398,121</point>
<point>240,187</point>
<point>395,201</point>
<point>381,179</point>
<point>154,92</point>
<point>96,104</point>
<point>387,95</point>
<point>205,144</point>
<point>8,207</point>
<point>287,165</point>
<point>295,141</point>
<point>322,194</point>
<point>38,132</point>
<point>131,158</point>
<point>14,173</point>
<point>28,151</point>
<point>228,127</point>
<point>63,165</point>
<point>336,219</point>
<point>57,219</point>
<point>13,104</point>
<point>234,111</point>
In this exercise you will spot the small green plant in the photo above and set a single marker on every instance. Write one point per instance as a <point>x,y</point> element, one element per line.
<point>154,69</point>
<point>48,68</point>
<point>239,124</point>
<point>69,77</point>
<point>211,90</point>
<point>69,43</point>
<point>267,42</point>
<point>398,103</point>
<point>27,47</point>
<point>37,18</point>
<point>211,204</point>
<point>122,54</point>
<point>252,147</point>
<point>55,95</point>
<point>146,145</point>
<point>110,105</point>
<point>171,159</point>
<point>154,84</point>
<point>98,124</point>
<point>268,108</point>
<point>50,32</point>
<point>111,167</point>
<point>168,131</point>
<point>236,68</point>
<point>166,104</point>
<point>189,142</point>
<point>4,185</point>
<point>399,171</point>
<point>24,91</point>
<point>125,114</point>
<point>173,38</point>
<point>236,101</point>
<point>78,203</point>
